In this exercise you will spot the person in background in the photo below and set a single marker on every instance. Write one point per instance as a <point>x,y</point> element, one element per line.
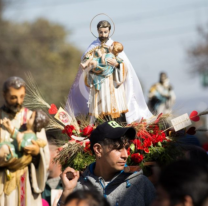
<point>53,182</point>
<point>86,198</point>
<point>183,183</point>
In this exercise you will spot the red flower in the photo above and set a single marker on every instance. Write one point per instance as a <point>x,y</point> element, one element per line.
<point>138,144</point>
<point>137,158</point>
<point>87,147</point>
<point>68,129</point>
<point>143,134</point>
<point>147,142</point>
<point>87,130</point>
<point>159,137</point>
<point>146,150</point>
<point>129,151</point>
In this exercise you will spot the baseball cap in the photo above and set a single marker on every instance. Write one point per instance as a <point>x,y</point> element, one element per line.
<point>111,130</point>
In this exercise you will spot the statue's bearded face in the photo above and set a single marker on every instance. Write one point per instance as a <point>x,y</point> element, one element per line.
<point>103,34</point>
<point>14,99</point>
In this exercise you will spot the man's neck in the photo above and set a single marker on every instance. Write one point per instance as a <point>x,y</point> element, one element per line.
<point>101,171</point>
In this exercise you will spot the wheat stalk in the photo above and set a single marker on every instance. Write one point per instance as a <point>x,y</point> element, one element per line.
<point>34,98</point>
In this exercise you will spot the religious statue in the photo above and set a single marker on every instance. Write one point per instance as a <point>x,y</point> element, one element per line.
<point>161,96</point>
<point>22,179</point>
<point>15,149</point>
<point>106,84</point>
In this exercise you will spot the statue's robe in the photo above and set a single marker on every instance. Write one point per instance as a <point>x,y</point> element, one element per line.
<point>109,98</point>
<point>22,184</point>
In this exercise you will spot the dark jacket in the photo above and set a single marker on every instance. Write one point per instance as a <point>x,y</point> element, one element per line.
<point>125,189</point>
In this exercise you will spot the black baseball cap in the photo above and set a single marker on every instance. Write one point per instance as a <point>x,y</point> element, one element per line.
<point>111,130</point>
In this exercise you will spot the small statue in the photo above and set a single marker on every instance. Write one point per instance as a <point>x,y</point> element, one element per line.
<point>161,96</point>
<point>37,121</point>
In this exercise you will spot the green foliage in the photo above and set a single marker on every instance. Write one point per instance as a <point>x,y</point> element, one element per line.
<point>163,154</point>
<point>81,161</point>
<point>41,48</point>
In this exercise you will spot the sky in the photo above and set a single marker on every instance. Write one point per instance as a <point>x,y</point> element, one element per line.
<point>156,35</point>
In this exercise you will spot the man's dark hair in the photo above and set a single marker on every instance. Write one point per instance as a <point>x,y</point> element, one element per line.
<point>15,82</point>
<point>91,197</point>
<point>184,178</point>
<point>104,24</point>
<point>116,144</point>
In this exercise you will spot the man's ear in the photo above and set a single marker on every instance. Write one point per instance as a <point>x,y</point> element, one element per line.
<point>98,150</point>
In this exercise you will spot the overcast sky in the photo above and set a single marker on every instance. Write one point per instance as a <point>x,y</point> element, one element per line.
<point>155,33</point>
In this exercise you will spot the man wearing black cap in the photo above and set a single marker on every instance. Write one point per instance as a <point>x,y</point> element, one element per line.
<point>109,143</point>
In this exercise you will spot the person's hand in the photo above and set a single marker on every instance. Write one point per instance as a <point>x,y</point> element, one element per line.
<point>33,149</point>
<point>8,125</point>
<point>112,62</point>
<point>68,185</point>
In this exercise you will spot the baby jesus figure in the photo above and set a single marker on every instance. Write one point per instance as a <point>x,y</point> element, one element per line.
<point>98,66</point>
<point>23,140</point>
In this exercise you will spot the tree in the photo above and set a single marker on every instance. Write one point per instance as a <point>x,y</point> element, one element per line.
<point>41,48</point>
<point>198,54</point>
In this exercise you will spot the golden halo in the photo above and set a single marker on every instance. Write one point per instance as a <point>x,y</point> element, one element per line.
<point>96,16</point>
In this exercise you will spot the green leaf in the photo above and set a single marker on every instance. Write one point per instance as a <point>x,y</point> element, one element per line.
<point>132,147</point>
<point>159,144</point>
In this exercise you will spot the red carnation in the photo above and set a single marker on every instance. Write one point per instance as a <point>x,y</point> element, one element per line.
<point>137,144</point>
<point>146,150</point>
<point>87,130</point>
<point>68,129</point>
<point>137,158</point>
<point>143,134</point>
<point>147,142</point>
<point>159,137</point>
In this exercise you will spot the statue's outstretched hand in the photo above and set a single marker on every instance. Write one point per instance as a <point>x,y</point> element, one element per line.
<point>33,149</point>
<point>8,125</point>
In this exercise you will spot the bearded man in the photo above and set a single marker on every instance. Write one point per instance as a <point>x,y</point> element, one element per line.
<point>20,183</point>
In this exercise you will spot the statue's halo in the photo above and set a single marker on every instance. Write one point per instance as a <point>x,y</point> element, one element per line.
<point>99,15</point>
